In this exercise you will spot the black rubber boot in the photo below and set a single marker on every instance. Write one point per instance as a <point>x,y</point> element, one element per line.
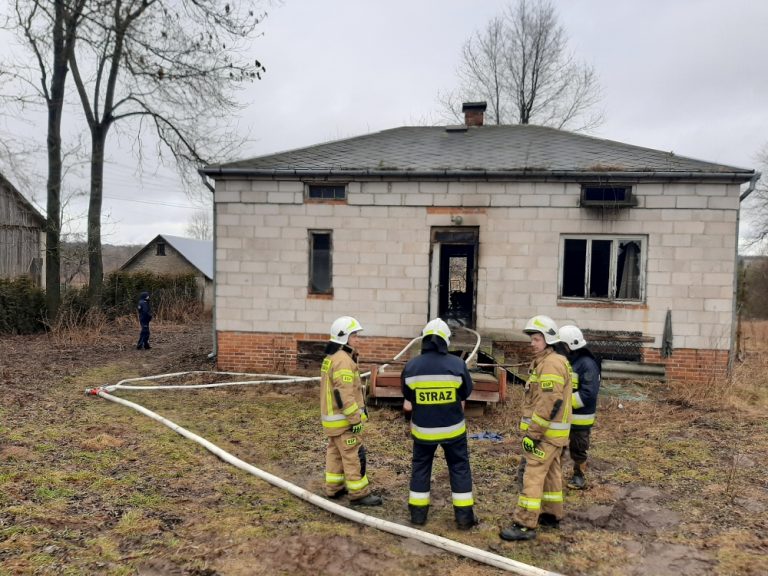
<point>370,500</point>
<point>547,520</point>
<point>418,514</point>
<point>339,494</point>
<point>465,517</point>
<point>517,532</point>
<point>577,481</point>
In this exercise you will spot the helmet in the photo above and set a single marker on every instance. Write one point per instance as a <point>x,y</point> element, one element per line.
<point>439,328</point>
<point>342,327</point>
<point>545,325</point>
<point>572,336</point>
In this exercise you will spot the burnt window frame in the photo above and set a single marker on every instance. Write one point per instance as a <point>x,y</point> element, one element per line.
<point>612,272</point>
<point>629,199</point>
<point>340,192</point>
<point>311,235</point>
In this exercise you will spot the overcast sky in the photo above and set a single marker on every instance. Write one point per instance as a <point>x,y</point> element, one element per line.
<point>689,76</point>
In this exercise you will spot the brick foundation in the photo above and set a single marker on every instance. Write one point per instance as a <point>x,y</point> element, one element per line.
<point>278,353</point>
<point>687,365</point>
<point>691,365</point>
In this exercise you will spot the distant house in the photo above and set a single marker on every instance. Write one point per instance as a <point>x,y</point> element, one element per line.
<point>176,255</point>
<point>22,239</point>
<point>484,226</point>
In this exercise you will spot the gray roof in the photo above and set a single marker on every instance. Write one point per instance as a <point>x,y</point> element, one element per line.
<point>199,253</point>
<point>511,152</point>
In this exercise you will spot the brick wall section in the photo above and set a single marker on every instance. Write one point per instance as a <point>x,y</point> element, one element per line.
<point>691,365</point>
<point>277,353</point>
<point>685,365</point>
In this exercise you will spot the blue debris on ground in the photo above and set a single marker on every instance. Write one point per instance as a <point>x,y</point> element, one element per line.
<point>492,436</point>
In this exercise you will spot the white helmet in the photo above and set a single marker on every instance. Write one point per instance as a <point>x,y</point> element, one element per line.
<point>342,327</point>
<point>438,327</point>
<point>572,336</point>
<point>545,325</point>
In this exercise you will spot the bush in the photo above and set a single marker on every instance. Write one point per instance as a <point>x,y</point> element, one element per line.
<point>22,306</point>
<point>173,297</point>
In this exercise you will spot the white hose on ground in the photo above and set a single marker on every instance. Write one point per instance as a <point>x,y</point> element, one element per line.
<point>393,528</point>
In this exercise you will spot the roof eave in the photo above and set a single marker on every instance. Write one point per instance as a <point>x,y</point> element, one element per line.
<point>734,177</point>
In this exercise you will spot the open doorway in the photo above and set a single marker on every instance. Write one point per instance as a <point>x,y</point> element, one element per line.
<point>453,277</point>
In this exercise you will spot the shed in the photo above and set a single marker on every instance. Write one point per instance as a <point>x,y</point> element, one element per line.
<point>484,226</point>
<point>167,254</point>
<point>22,236</point>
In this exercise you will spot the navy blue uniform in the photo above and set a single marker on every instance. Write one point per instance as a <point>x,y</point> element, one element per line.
<point>436,383</point>
<point>145,316</point>
<point>586,386</point>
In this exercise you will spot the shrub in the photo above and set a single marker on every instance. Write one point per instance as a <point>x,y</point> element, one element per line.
<point>22,306</point>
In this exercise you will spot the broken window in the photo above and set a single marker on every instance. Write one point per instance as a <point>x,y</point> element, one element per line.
<point>320,245</point>
<point>602,268</point>
<point>161,248</point>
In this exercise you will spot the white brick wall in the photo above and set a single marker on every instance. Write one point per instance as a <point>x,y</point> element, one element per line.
<point>381,250</point>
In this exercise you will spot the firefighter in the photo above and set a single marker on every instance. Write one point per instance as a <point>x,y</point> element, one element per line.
<point>545,424</point>
<point>436,384</point>
<point>586,386</point>
<point>343,415</point>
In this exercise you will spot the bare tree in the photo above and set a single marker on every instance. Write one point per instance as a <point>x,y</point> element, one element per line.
<point>49,29</point>
<point>199,225</point>
<point>755,210</point>
<point>169,65</point>
<point>166,71</point>
<point>521,66</point>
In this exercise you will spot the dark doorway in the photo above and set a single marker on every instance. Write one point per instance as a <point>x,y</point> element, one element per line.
<point>457,271</point>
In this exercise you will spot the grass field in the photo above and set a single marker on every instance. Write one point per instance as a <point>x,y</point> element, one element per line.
<point>678,481</point>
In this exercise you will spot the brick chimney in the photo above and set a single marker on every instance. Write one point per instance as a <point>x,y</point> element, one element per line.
<point>473,113</point>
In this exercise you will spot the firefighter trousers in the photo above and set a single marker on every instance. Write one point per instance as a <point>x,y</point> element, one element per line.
<point>345,463</point>
<point>542,486</point>
<point>457,457</point>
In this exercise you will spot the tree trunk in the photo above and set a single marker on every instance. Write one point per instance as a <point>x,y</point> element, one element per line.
<point>95,264</point>
<point>53,205</point>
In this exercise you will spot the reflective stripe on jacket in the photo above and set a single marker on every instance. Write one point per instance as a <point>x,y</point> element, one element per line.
<point>339,373</point>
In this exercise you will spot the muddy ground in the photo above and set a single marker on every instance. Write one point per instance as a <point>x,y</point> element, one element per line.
<point>678,481</point>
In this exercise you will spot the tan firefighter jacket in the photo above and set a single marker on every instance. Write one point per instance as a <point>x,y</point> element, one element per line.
<point>341,395</point>
<point>549,380</point>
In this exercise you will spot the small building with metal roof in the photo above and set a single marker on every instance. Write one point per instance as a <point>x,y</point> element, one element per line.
<point>167,254</point>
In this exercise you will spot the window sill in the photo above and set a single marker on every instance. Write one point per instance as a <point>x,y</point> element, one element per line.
<point>625,304</point>
<point>314,296</point>
<point>338,201</point>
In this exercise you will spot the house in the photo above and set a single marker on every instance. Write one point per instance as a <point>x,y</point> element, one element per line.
<point>484,226</point>
<point>176,255</point>
<point>22,236</point>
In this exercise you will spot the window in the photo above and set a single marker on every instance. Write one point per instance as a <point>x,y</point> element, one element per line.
<point>604,268</point>
<point>161,248</point>
<point>326,191</point>
<point>320,246</point>
<point>606,196</point>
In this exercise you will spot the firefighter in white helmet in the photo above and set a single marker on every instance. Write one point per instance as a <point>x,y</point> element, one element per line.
<point>586,386</point>
<point>545,425</point>
<point>437,383</point>
<point>343,414</point>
